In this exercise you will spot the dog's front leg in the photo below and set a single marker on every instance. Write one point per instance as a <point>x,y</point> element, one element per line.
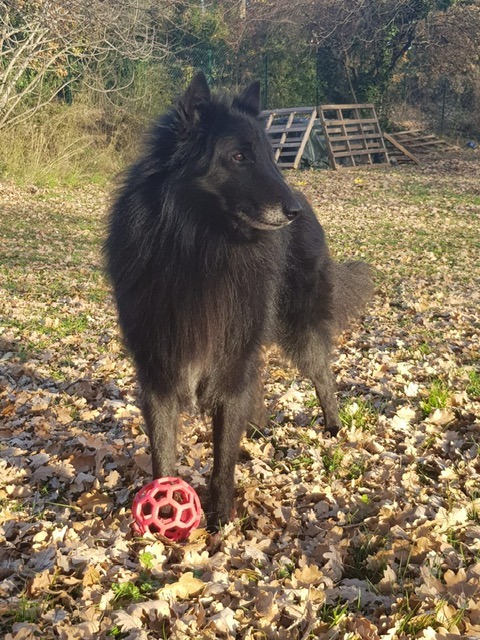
<point>161,414</point>
<point>229,422</point>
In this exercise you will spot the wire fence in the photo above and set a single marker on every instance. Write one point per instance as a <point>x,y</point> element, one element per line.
<point>294,81</point>
<point>280,87</point>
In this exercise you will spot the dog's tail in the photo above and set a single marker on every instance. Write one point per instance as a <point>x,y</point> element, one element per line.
<point>352,288</point>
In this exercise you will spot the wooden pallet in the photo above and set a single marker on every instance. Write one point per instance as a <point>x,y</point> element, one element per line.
<point>353,135</point>
<point>288,131</point>
<point>397,153</point>
<point>418,142</point>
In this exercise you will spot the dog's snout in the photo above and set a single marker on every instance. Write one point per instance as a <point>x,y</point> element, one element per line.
<point>292,209</point>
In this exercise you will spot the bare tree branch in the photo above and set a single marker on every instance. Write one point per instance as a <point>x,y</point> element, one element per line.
<point>46,45</point>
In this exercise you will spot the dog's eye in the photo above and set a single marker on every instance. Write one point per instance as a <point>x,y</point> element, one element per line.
<point>239,157</point>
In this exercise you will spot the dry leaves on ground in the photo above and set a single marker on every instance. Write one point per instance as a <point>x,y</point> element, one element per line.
<point>374,534</point>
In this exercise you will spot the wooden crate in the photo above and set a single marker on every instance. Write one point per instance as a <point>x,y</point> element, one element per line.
<point>353,135</point>
<point>288,131</point>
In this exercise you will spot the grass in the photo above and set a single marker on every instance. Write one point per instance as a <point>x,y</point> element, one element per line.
<point>418,193</point>
<point>473,387</point>
<point>285,571</point>
<point>356,469</point>
<point>68,145</point>
<point>46,336</point>
<point>142,589</point>
<point>117,633</point>
<point>301,462</point>
<point>357,413</point>
<point>474,514</point>
<point>357,564</point>
<point>425,349</point>
<point>333,614</point>
<point>438,397</point>
<point>427,472</point>
<point>312,402</point>
<point>414,623</point>
<point>332,460</point>
<point>27,610</point>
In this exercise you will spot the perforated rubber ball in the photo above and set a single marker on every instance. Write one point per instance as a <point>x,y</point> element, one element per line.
<point>168,506</point>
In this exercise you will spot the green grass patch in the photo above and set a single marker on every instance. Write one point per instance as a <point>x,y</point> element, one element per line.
<point>301,462</point>
<point>117,633</point>
<point>332,460</point>
<point>43,331</point>
<point>285,571</point>
<point>438,396</point>
<point>425,349</point>
<point>357,564</point>
<point>427,472</point>
<point>27,610</point>
<point>473,514</point>
<point>356,413</point>
<point>473,387</point>
<point>333,614</point>
<point>312,402</point>
<point>417,193</point>
<point>413,624</point>
<point>131,592</point>
<point>356,469</point>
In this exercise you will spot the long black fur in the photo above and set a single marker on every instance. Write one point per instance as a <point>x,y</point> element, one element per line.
<point>212,256</point>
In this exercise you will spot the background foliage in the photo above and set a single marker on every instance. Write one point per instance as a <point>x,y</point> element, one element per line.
<point>79,80</point>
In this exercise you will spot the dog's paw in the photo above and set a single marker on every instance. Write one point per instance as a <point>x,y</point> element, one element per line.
<point>217,520</point>
<point>332,429</point>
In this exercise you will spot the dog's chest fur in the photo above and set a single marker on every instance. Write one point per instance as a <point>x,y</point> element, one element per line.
<point>247,287</point>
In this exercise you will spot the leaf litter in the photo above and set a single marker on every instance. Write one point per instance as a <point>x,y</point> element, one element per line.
<point>374,534</point>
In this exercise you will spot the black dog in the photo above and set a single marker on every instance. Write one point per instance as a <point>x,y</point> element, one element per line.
<point>211,256</point>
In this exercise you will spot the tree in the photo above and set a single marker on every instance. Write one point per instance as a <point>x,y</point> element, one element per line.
<point>441,72</point>
<point>48,45</point>
<point>357,44</point>
<point>360,43</point>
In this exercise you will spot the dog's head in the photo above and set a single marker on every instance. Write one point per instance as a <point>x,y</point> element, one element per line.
<point>227,156</point>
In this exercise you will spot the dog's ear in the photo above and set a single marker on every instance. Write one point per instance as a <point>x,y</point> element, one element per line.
<point>249,100</point>
<point>196,96</point>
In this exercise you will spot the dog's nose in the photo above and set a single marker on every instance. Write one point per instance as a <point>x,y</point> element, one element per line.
<point>292,209</point>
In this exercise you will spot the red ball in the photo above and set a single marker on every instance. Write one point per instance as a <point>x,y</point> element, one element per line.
<point>168,506</point>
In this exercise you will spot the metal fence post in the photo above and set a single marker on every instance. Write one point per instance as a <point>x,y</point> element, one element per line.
<point>265,80</point>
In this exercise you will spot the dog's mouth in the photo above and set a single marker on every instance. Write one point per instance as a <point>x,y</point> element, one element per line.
<point>266,223</point>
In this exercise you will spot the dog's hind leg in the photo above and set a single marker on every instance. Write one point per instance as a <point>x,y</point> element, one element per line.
<point>161,414</point>
<point>310,353</point>
<point>322,379</point>
<point>259,414</point>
